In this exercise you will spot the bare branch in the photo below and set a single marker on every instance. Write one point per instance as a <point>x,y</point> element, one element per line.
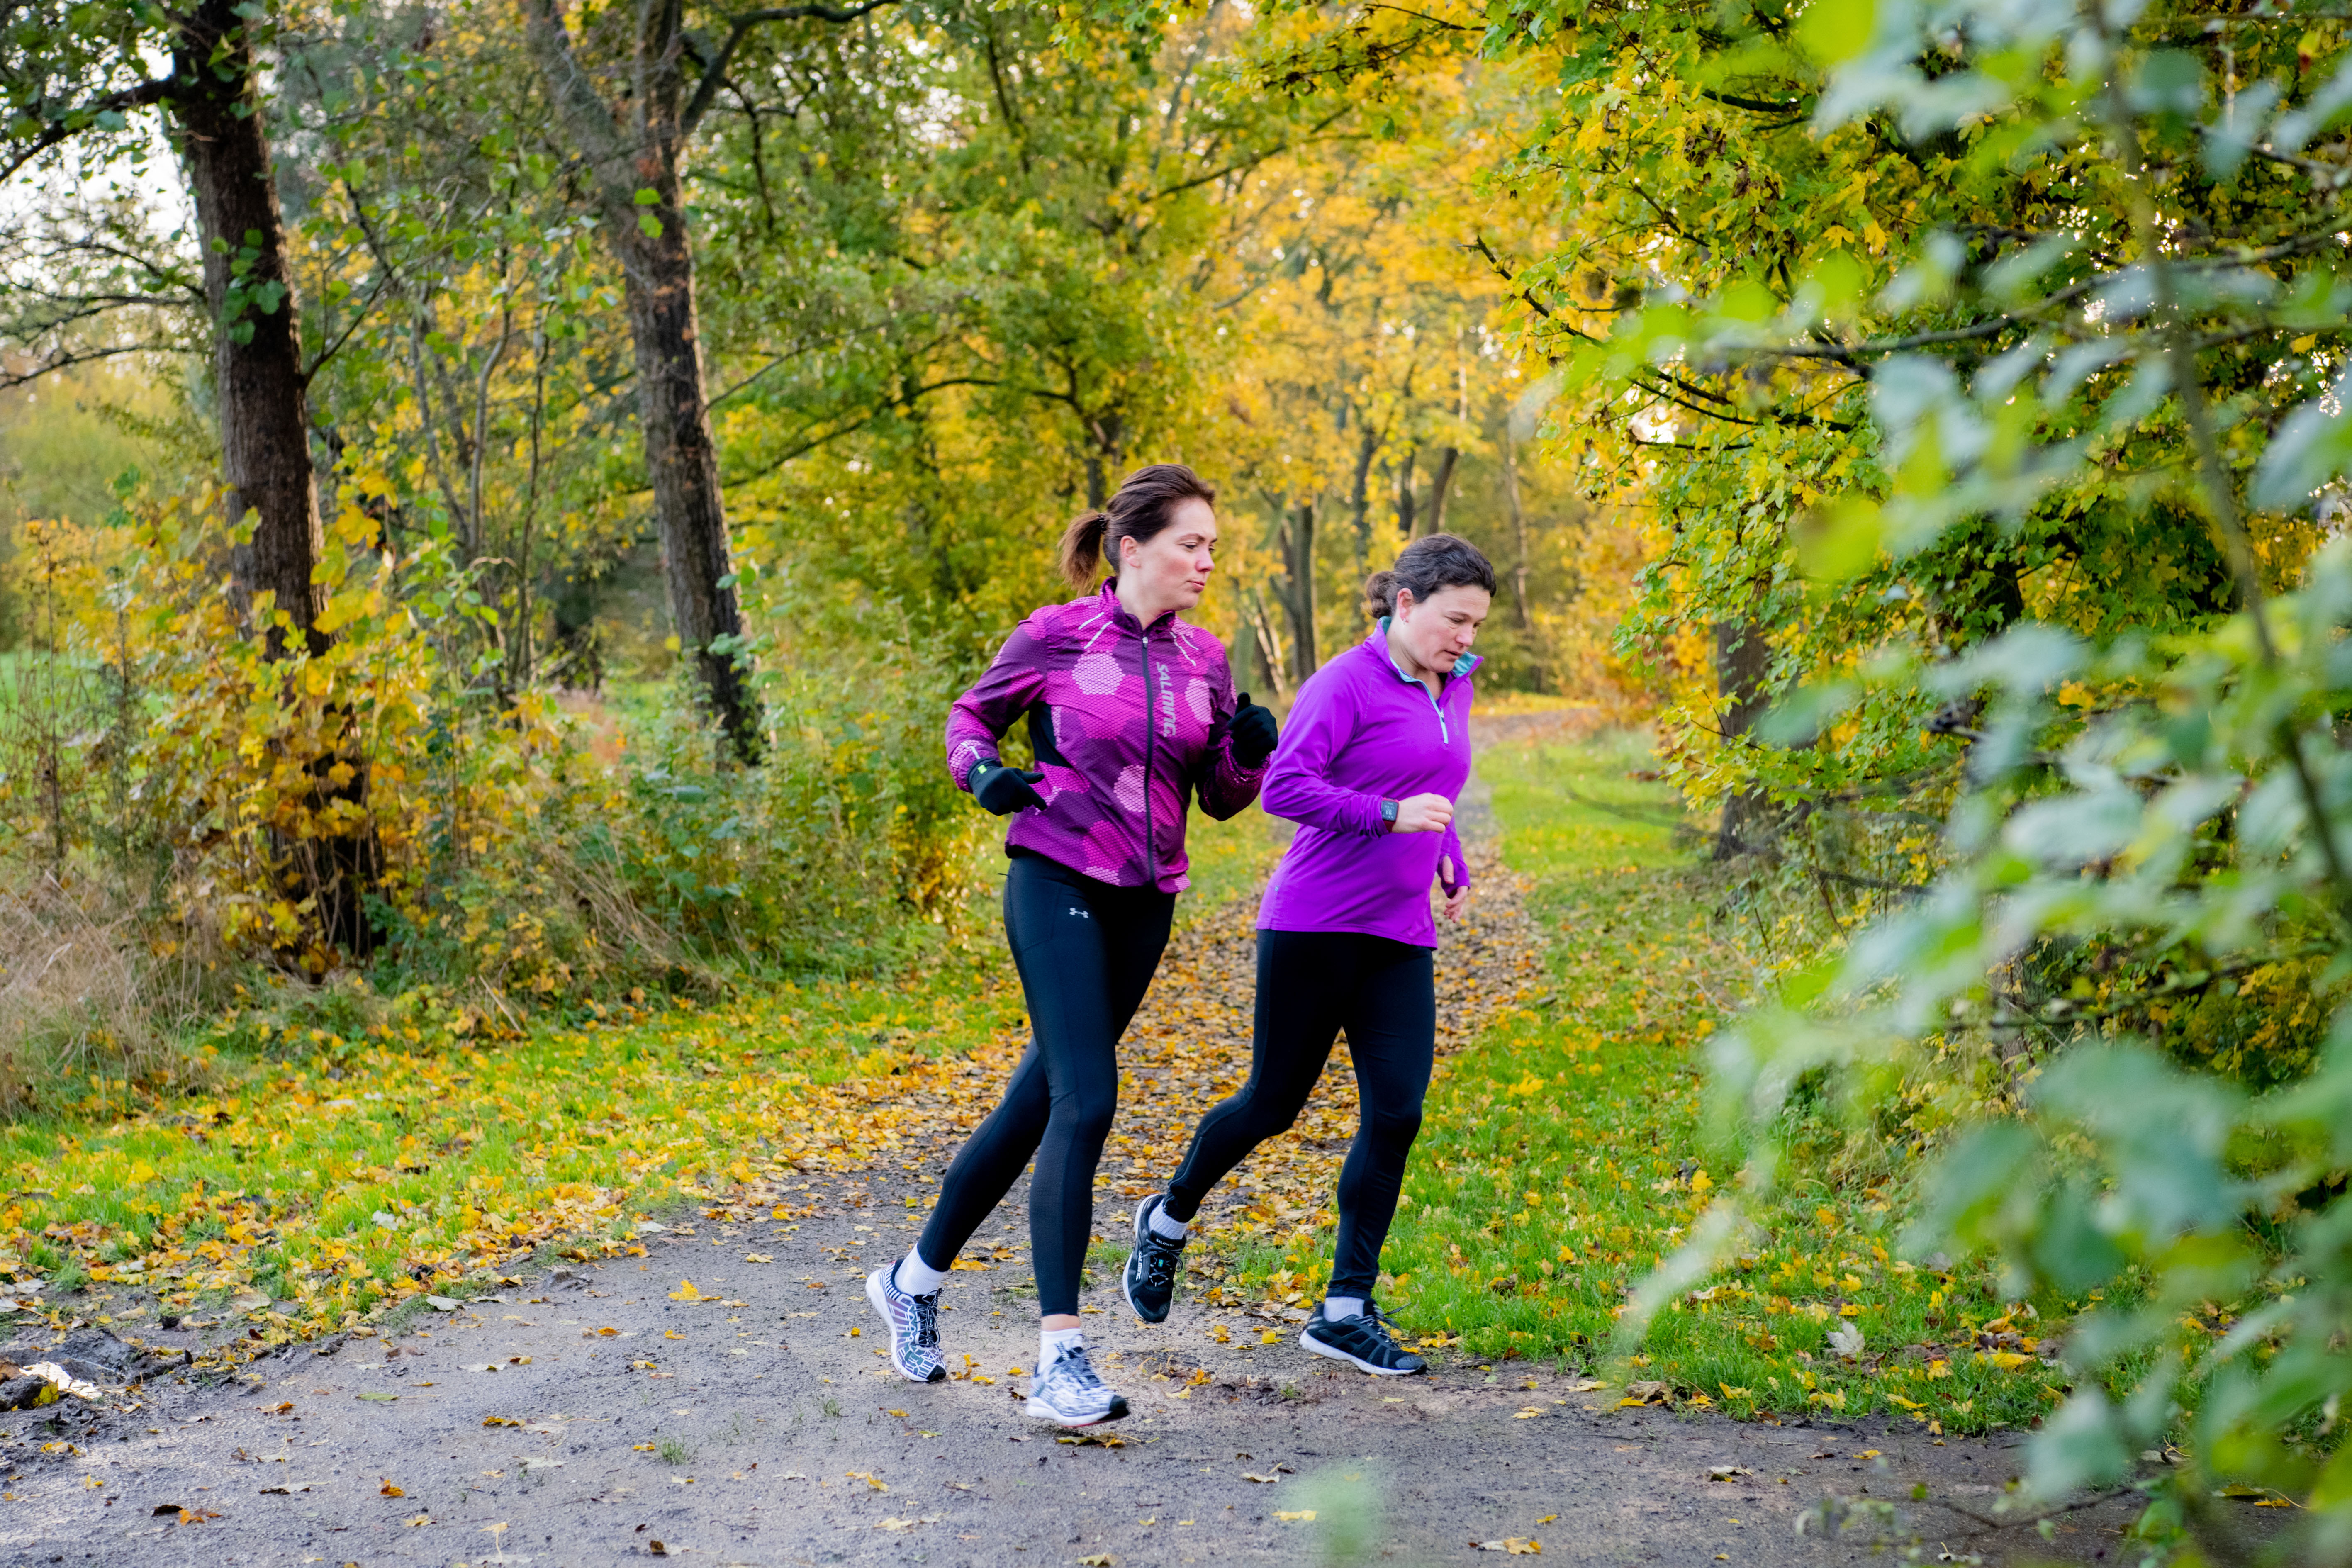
<point>741,27</point>
<point>151,92</point>
<point>10,380</point>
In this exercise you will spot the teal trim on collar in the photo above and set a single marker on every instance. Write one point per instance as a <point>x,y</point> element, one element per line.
<point>1463,666</point>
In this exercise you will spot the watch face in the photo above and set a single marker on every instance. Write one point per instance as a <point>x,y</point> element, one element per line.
<point>1387,811</point>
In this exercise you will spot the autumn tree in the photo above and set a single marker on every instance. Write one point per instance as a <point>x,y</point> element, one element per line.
<point>77,80</point>
<point>629,92</point>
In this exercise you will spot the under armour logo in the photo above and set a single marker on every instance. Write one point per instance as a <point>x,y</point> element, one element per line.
<point>1081,914</point>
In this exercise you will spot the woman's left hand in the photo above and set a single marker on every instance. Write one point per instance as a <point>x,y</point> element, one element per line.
<point>1458,894</point>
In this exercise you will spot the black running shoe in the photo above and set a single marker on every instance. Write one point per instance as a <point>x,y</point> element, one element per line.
<point>1364,1342</point>
<point>1149,1281</point>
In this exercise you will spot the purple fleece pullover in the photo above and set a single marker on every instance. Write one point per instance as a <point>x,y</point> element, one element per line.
<point>1361,732</point>
<point>1126,722</point>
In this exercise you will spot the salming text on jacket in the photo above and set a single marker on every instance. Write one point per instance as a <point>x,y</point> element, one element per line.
<point>1127,723</point>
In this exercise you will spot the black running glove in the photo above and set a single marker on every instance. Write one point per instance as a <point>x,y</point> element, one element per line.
<point>1253,731</point>
<point>1005,790</point>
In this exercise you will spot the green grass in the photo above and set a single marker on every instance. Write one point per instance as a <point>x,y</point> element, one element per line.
<point>270,1181</point>
<point>1563,1156</point>
<point>349,1175</point>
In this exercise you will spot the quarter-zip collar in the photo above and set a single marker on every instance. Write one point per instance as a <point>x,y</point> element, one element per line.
<point>1125,618</point>
<point>1462,667</point>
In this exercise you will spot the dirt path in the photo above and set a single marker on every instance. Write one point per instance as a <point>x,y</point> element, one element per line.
<point>609,1412</point>
<point>760,1426</point>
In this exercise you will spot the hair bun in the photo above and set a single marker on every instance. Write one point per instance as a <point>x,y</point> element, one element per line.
<point>1433,562</point>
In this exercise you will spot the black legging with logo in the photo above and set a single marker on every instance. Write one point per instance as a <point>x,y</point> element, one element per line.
<point>1311,985</point>
<point>1086,950</point>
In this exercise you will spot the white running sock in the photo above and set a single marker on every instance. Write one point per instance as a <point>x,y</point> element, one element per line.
<point>916,1278</point>
<point>1050,1343</point>
<point>1337,1307</point>
<point>1162,1223</point>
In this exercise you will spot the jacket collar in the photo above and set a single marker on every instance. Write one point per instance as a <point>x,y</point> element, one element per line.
<point>1109,596</point>
<point>1379,643</point>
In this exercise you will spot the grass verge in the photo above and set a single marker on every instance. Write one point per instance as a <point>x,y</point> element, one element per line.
<point>336,1176</point>
<point>1563,1156</point>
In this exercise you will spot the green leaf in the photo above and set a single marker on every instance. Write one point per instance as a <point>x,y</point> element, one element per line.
<point>1836,31</point>
<point>1840,541</point>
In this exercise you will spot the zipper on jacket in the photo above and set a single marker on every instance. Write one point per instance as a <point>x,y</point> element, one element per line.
<point>1444,735</point>
<point>1150,744</point>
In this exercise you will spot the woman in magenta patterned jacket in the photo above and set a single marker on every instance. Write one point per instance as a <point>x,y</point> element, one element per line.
<point>1131,712</point>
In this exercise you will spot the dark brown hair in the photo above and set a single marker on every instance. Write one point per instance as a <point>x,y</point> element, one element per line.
<point>1146,500</point>
<point>1433,562</point>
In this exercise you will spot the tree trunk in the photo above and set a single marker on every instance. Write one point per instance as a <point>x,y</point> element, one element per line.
<point>1299,565</point>
<point>682,458</point>
<point>1404,492</point>
<point>637,198</point>
<point>265,426</point>
<point>1520,614</point>
<point>1360,498</point>
<point>1265,662</point>
<point>1441,486</point>
<point>1742,659</point>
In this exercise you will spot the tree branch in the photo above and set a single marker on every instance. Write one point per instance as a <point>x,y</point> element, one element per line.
<point>739,28</point>
<point>10,380</point>
<point>153,90</point>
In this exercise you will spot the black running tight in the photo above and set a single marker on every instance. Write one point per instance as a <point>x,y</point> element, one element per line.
<point>1311,984</point>
<point>1086,950</point>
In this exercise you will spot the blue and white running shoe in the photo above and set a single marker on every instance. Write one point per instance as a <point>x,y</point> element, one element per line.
<point>1068,1393</point>
<point>914,1325</point>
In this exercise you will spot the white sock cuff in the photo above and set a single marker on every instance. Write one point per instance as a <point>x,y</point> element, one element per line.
<point>916,1278</point>
<point>1337,1307</point>
<point>1050,1343</point>
<point>1164,1225</point>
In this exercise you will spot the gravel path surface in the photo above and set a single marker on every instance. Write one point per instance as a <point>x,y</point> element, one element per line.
<point>592,1415</point>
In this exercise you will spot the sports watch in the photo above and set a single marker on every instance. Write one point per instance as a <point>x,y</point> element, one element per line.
<point>1389,811</point>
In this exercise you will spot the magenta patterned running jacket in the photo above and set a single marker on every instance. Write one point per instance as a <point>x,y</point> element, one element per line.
<point>1127,723</point>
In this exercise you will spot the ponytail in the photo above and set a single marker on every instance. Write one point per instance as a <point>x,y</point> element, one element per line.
<point>1141,508</point>
<point>1082,548</point>
<point>1429,563</point>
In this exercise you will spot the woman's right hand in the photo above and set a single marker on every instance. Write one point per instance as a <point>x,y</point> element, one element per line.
<point>1423,814</point>
<point>1005,790</point>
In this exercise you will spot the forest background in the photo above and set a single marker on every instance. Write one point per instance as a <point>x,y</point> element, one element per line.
<point>499,498</point>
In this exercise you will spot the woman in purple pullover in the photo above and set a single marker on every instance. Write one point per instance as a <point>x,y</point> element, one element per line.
<point>1131,712</point>
<point>1377,747</point>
